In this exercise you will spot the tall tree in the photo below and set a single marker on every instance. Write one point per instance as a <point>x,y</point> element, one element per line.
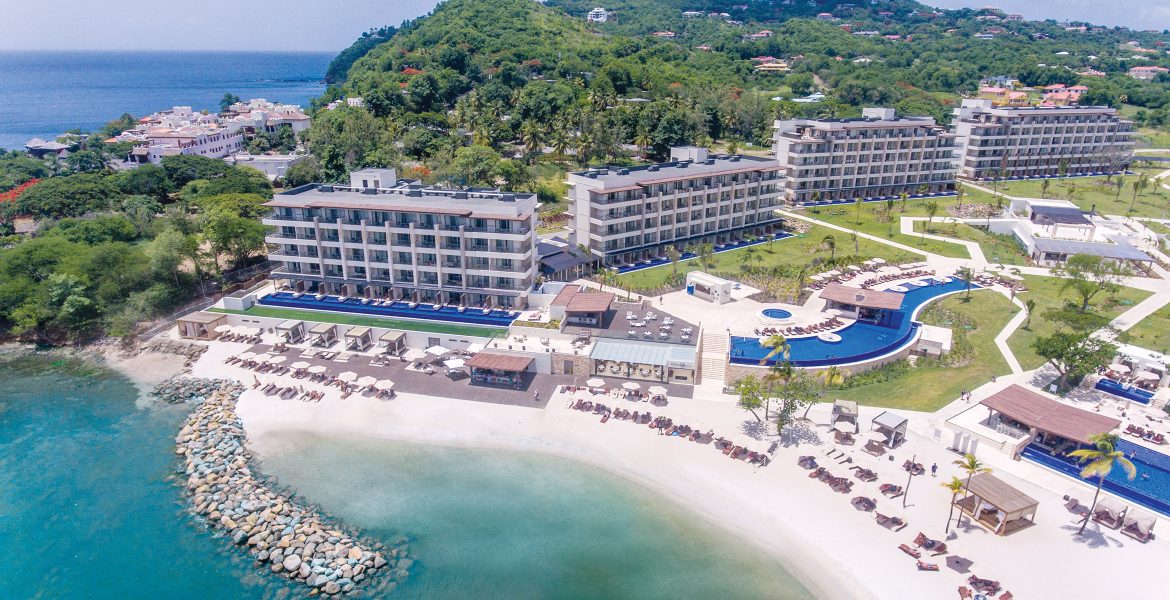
<point>1074,354</point>
<point>1087,276</point>
<point>955,486</point>
<point>1098,462</point>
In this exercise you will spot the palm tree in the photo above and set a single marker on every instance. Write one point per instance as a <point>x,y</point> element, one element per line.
<point>532,137</point>
<point>673,255</point>
<point>959,191</point>
<point>1099,462</point>
<point>904,196</point>
<point>777,345</point>
<point>971,465</point>
<point>1139,185</point>
<point>706,254</point>
<point>584,147</point>
<point>967,276</point>
<point>830,243</point>
<point>955,485</point>
<point>931,211</point>
<point>1120,183</point>
<point>643,140</point>
<point>1044,185</point>
<point>890,216</point>
<point>1029,305</point>
<point>833,376</point>
<point>559,142</point>
<point>857,203</point>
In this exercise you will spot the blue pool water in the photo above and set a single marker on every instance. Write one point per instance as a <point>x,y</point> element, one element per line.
<point>1152,492</point>
<point>776,313</point>
<point>450,314</point>
<point>859,341</point>
<point>662,260</point>
<point>1129,393</point>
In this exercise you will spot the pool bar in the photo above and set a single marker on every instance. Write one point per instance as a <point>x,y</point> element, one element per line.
<point>397,309</point>
<point>1130,392</point>
<point>1152,493</point>
<point>859,342</point>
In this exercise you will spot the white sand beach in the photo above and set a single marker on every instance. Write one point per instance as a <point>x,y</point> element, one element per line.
<point>835,550</point>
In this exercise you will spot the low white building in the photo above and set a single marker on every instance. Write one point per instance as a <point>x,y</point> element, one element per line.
<point>272,165</point>
<point>597,15</point>
<point>1050,231</point>
<point>258,115</point>
<point>709,287</point>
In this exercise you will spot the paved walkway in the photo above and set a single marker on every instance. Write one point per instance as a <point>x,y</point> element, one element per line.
<point>860,234</point>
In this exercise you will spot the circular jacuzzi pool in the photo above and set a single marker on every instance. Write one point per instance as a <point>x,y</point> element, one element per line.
<point>776,313</point>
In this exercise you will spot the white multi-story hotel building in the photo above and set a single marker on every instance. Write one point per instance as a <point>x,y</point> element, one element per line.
<point>879,155</point>
<point>597,15</point>
<point>1040,141</point>
<point>382,238</point>
<point>630,214</point>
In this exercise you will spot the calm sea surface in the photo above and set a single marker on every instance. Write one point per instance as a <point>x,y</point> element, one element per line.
<point>45,93</point>
<point>87,511</point>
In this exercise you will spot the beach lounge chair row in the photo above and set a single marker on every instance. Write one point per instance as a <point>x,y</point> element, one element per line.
<point>872,281</point>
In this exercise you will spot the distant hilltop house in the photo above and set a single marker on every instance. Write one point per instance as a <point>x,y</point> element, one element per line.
<point>773,66</point>
<point>38,148</point>
<point>1004,97</point>
<point>1147,73</point>
<point>691,14</point>
<point>826,17</point>
<point>1087,72</point>
<point>984,36</point>
<point>272,165</point>
<point>597,15</point>
<point>1059,94</point>
<point>352,102</point>
<point>1002,81</point>
<point>810,99</point>
<point>1015,18</point>
<point>664,34</point>
<point>759,35</point>
<point>703,47</point>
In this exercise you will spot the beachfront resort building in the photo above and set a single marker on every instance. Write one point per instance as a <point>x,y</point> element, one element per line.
<point>379,237</point>
<point>879,155</point>
<point>1012,142</point>
<point>629,214</point>
<point>260,115</point>
<point>180,130</point>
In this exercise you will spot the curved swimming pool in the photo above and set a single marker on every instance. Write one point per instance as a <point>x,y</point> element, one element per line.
<point>398,309</point>
<point>859,342</point>
<point>776,313</point>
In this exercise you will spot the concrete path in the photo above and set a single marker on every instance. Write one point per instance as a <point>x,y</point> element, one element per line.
<point>973,248</point>
<point>1001,339</point>
<point>860,234</point>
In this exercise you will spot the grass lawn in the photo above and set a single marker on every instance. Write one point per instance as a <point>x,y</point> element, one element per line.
<point>1156,138</point>
<point>348,319</point>
<point>1046,292</point>
<point>998,249</point>
<point>872,222</point>
<point>929,388</point>
<point>1157,227</point>
<point>1094,191</point>
<point>1153,332</point>
<point>787,252</point>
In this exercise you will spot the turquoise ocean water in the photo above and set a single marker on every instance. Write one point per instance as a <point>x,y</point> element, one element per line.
<point>45,93</point>
<point>87,511</point>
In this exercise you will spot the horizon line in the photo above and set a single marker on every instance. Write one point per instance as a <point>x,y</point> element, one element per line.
<point>193,50</point>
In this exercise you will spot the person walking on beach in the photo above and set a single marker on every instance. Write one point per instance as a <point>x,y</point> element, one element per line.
<point>934,470</point>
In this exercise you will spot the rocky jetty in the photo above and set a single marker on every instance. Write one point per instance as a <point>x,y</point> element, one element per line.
<point>189,352</point>
<point>283,536</point>
<point>179,389</point>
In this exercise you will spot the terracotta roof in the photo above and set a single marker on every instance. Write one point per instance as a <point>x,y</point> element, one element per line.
<point>996,492</point>
<point>590,302</point>
<point>1041,412</point>
<point>566,295</point>
<point>862,297</point>
<point>500,362</point>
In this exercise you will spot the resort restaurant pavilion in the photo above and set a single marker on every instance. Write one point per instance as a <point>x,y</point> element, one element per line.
<point>491,368</point>
<point>1044,421</point>
<point>860,303</point>
<point>648,361</point>
<point>996,505</point>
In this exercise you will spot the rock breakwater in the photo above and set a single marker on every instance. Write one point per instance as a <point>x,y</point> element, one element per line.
<point>283,536</point>
<point>179,389</point>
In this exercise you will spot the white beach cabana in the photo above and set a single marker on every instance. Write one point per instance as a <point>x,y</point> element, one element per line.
<point>324,334</point>
<point>358,338</point>
<point>996,505</point>
<point>292,330</point>
<point>892,426</point>
<point>393,342</point>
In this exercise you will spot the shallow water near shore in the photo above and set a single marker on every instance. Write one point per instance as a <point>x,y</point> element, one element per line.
<point>87,511</point>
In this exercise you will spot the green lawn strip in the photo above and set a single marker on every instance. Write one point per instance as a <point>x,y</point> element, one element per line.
<point>366,321</point>
<point>1093,192</point>
<point>789,251</point>
<point>846,215</point>
<point>1156,138</point>
<point>928,388</point>
<point>998,249</point>
<point>1046,292</point>
<point>1152,332</point>
<point>1157,227</point>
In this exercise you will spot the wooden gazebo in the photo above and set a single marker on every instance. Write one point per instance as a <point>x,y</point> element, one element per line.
<point>200,325</point>
<point>996,505</point>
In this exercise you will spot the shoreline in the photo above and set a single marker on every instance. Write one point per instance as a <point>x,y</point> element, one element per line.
<point>565,434</point>
<point>797,565</point>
